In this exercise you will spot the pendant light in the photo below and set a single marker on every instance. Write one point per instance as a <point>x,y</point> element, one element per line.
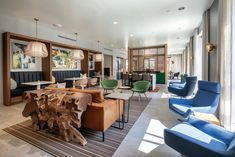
<point>77,54</point>
<point>35,48</point>
<point>98,56</point>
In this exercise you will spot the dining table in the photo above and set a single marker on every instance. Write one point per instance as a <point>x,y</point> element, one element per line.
<point>37,83</point>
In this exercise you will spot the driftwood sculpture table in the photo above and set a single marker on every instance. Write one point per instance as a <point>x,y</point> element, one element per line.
<point>57,109</point>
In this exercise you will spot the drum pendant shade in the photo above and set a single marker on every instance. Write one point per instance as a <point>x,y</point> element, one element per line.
<point>77,55</point>
<point>98,57</point>
<point>36,49</point>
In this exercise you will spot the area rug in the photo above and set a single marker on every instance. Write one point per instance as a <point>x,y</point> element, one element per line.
<point>55,146</point>
<point>156,89</point>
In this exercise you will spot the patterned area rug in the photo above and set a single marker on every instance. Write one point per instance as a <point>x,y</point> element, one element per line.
<point>54,145</point>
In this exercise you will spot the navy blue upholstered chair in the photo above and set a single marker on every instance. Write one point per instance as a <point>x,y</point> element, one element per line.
<point>186,89</point>
<point>206,100</point>
<point>181,83</point>
<point>197,138</point>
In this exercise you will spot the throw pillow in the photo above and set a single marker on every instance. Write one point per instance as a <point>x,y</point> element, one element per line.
<point>13,84</point>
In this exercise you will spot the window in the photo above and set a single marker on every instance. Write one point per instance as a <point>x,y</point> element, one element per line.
<point>149,64</point>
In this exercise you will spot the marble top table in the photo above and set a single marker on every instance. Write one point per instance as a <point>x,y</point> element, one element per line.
<point>37,83</point>
<point>125,97</point>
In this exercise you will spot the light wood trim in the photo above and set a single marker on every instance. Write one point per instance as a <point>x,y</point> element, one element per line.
<point>148,47</point>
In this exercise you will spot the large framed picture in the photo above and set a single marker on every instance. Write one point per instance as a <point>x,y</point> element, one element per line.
<point>61,59</point>
<point>20,61</point>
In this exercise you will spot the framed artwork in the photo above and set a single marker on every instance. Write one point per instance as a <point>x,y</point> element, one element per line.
<point>19,60</point>
<point>61,59</point>
<point>91,62</point>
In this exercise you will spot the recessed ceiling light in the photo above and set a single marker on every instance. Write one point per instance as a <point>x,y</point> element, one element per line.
<point>132,35</point>
<point>115,22</point>
<point>57,25</point>
<point>181,8</point>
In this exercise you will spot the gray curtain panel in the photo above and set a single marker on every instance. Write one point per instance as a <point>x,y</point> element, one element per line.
<point>205,40</point>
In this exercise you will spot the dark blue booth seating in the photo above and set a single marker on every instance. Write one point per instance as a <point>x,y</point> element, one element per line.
<point>60,75</point>
<point>92,73</point>
<point>21,77</point>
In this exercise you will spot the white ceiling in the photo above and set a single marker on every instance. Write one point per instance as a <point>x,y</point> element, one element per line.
<point>151,22</point>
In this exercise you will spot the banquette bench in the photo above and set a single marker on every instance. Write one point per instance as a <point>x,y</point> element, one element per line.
<point>32,76</point>
<point>61,75</point>
<point>23,76</point>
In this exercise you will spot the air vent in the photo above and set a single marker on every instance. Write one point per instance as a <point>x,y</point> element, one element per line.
<point>67,38</point>
<point>108,49</point>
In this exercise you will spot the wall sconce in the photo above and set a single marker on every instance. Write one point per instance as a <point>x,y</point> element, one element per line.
<point>210,47</point>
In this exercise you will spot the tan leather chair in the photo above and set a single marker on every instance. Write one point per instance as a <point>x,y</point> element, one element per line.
<point>101,113</point>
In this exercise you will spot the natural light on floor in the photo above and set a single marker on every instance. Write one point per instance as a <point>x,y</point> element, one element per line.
<point>153,136</point>
<point>165,95</point>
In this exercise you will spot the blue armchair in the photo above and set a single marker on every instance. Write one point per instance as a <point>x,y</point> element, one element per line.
<point>186,89</point>
<point>206,100</point>
<point>181,83</point>
<point>197,138</point>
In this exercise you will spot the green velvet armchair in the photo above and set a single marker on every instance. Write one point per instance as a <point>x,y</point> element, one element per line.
<point>109,85</point>
<point>141,87</point>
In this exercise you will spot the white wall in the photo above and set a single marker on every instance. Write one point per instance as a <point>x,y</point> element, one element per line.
<point>10,24</point>
<point>177,66</point>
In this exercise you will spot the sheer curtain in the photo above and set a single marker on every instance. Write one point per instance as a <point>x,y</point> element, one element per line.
<point>197,49</point>
<point>226,47</point>
<point>175,63</point>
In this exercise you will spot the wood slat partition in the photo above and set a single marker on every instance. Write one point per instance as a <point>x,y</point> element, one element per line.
<point>46,62</point>
<point>130,57</point>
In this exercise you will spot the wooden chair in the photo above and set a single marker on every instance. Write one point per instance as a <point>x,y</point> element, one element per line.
<point>92,81</point>
<point>81,83</point>
<point>125,79</point>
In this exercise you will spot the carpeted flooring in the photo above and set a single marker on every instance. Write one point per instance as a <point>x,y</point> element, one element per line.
<point>53,144</point>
